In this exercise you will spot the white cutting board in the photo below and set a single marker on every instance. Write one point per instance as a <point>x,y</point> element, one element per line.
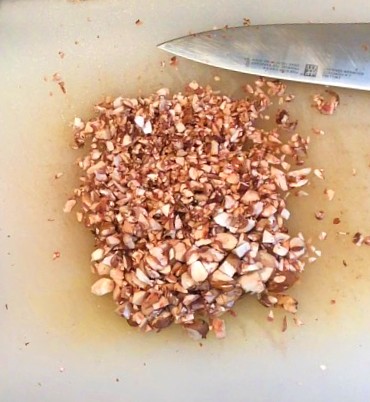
<point>58,342</point>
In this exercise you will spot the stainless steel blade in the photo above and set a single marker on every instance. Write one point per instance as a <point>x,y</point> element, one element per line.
<point>329,54</point>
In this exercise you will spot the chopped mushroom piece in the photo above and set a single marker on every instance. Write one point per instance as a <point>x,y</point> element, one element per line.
<point>58,79</point>
<point>285,324</point>
<point>358,239</point>
<point>329,193</point>
<point>288,303</point>
<point>318,131</point>
<point>270,316</point>
<point>320,215</point>
<point>102,286</point>
<point>219,328</point>
<point>197,330</point>
<point>298,321</point>
<point>173,61</point>
<point>198,271</point>
<point>227,240</point>
<point>328,104</point>
<point>69,205</point>
<point>97,254</point>
<point>283,120</point>
<point>251,283</point>
<point>56,255</point>
<point>301,193</point>
<point>319,173</point>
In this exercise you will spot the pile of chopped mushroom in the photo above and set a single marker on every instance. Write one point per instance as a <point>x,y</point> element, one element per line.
<point>186,200</point>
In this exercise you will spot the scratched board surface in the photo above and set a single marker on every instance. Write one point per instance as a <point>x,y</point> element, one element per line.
<point>57,341</point>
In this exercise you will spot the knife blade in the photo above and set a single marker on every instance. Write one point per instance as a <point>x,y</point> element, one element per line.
<point>328,54</point>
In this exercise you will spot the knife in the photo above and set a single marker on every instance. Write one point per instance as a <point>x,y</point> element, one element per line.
<point>328,54</point>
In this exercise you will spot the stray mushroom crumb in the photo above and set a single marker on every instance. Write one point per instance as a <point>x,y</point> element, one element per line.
<point>173,61</point>
<point>329,193</point>
<point>58,79</point>
<point>326,104</point>
<point>318,131</point>
<point>218,327</point>
<point>285,324</point>
<point>358,239</point>
<point>289,98</point>
<point>320,215</point>
<point>302,193</point>
<point>298,322</point>
<point>283,121</point>
<point>186,221</point>
<point>69,205</point>
<point>319,173</point>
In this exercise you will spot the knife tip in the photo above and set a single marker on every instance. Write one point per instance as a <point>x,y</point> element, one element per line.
<point>162,46</point>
